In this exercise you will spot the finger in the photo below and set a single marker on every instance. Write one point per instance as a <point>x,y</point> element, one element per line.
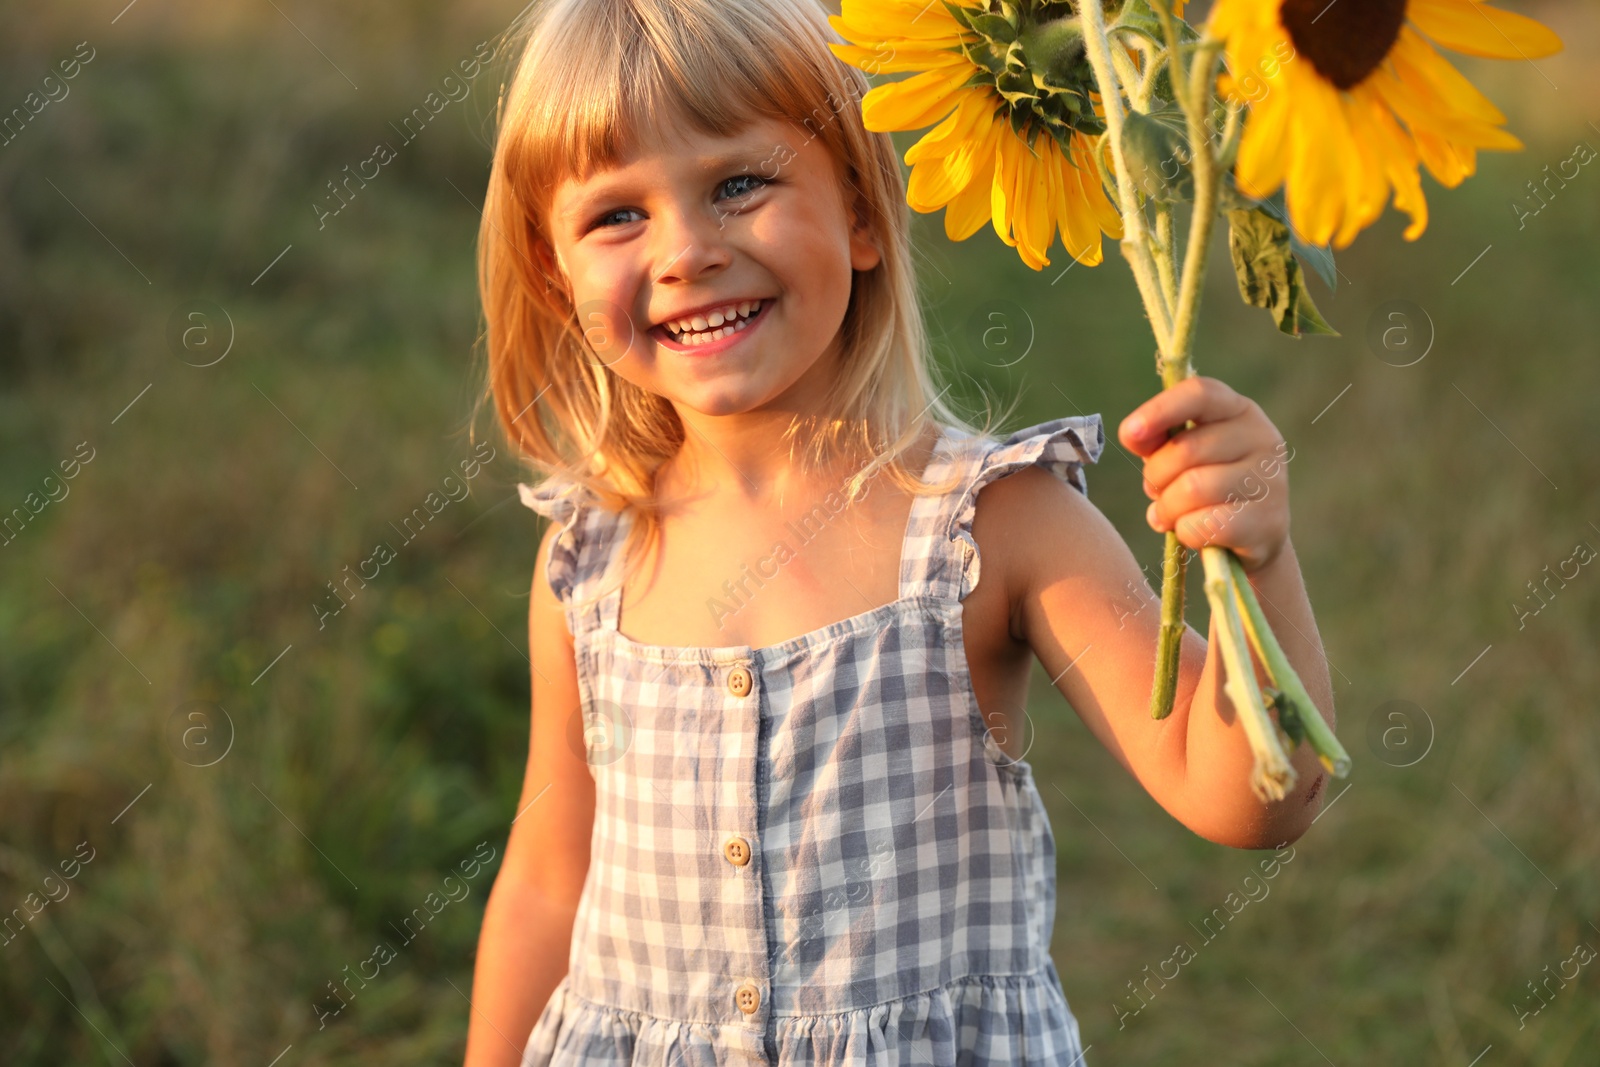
<point>1199,398</point>
<point>1211,443</point>
<point>1220,525</point>
<point>1231,484</point>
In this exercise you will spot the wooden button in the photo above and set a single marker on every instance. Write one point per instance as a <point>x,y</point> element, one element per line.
<point>748,998</point>
<point>740,681</point>
<point>737,850</point>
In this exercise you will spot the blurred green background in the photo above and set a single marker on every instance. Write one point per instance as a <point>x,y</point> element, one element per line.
<point>249,798</point>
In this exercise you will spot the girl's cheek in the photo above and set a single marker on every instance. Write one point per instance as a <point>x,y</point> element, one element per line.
<point>608,333</point>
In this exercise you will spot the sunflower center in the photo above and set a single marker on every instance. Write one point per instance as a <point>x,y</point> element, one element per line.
<point>1344,39</point>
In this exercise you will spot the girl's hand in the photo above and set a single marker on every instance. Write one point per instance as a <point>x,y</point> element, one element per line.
<point>1225,481</point>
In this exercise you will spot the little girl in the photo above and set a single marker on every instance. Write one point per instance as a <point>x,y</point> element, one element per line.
<point>775,811</point>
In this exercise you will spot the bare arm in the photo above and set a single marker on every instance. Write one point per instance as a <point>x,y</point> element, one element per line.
<point>527,923</point>
<point>1083,604</point>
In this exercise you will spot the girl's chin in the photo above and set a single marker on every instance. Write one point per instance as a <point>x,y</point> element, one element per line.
<point>725,388</point>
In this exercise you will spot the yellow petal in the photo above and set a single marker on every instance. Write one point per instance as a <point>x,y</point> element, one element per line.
<point>1034,219</point>
<point>936,142</point>
<point>884,19</point>
<point>1085,227</point>
<point>1366,186</point>
<point>964,215</point>
<point>1080,233</point>
<point>1247,49</point>
<point>1399,157</point>
<point>1102,211</point>
<point>1313,195</point>
<point>1417,61</point>
<point>1230,18</point>
<point>1264,147</point>
<point>886,58</point>
<point>935,182</point>
<point>1049,171</point>
<point>1005,180</point>
<point>972,113</point>
<point>918,101</point>
<point>1477,29</point>
<point>929,188</point>
<point>1449,163</point>
<point>1412,98</point>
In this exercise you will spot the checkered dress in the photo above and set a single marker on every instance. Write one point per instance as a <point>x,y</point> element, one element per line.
<point>812,853</point>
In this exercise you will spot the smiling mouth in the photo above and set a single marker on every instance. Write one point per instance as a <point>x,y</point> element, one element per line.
<point>723,322</point>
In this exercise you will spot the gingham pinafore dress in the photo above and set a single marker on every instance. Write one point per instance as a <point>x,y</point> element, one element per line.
<point>812,853</point>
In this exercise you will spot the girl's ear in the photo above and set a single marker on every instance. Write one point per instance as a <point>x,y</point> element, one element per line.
<point>864,251</point>
<point>549,266</point>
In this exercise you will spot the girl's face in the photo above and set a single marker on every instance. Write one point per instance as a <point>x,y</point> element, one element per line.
<point>657,250</point>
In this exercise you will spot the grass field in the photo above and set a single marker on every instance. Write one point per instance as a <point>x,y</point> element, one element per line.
<point>250,792</point>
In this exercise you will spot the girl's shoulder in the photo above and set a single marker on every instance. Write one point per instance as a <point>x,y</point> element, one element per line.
<point>577,522</point>
<point>555,498</point>
<point>1060,446</point>
<point>585,530</point>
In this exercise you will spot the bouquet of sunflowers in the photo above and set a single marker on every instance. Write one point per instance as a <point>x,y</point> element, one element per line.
<point>1091,117</point>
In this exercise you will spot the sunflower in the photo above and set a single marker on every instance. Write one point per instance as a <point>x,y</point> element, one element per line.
<point>1328,121</point>
<point>1009,88</point>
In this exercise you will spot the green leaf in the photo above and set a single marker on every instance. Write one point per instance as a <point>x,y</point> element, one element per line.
<point>1137,16</point>
<point>1288,715</point>
<point>1229,198</point>
<point>985,58</point>
<point>961,14</point>
<point>994,27</point>
<point>1310,320</point>
<point>1018,121</point>
<point>1320,258</point>
<point>1269,275</point>
<point>1158,154</point>
<point>978,80</point>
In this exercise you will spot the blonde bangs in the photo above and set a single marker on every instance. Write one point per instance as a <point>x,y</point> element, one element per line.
<point>593,75</point>
<point>597,74</point>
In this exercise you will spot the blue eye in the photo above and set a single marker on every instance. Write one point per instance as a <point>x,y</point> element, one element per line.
<point>740,185</point>
<point>738,180</point>
<point>605,220</point>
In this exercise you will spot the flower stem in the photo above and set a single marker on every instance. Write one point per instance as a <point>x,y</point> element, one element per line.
<point>1169,639</point>
<point>1282,676</point>
<point>1206,189</point>
<point>1153,58</point>
<point>1272,776</point>
<point>1173,308</point>
<point>1232,128</point>
<point>1136,249</point>
<point>1134,244</point>
<point>1163,253</point>
<point>1129,76</point>
<point>1191,88</point>
<point>1174,51</point>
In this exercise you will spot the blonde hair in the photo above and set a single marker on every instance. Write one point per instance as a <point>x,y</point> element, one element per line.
<point>591,74</point>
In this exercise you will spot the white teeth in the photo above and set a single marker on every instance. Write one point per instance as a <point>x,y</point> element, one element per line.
<point>701,329</point>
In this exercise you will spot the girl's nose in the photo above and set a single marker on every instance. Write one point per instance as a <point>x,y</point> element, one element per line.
<point>689,245</point>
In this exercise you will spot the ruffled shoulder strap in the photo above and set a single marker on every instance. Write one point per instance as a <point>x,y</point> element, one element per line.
<point>580,553</point>
<point>944,561</point>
